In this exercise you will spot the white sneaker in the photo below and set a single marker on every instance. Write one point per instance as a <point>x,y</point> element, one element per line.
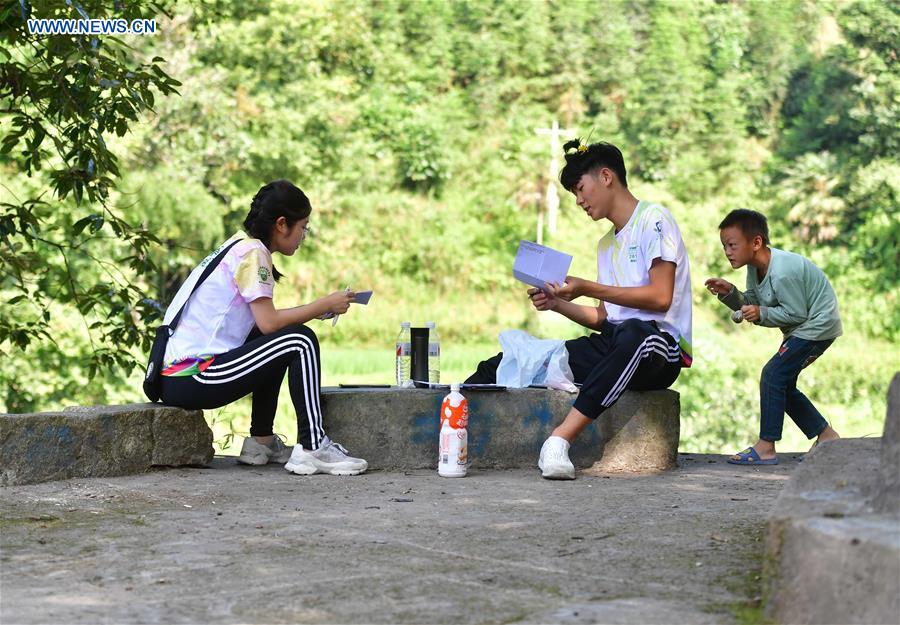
<point>330,458</point>
<point>253,452</point>
<point>554,462</point>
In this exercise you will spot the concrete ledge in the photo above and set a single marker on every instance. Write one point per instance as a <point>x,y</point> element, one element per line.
<point>398,428</point>
<point>100,441</point>
<point>888,498</point>
<point>840,570</point>
<point>392,428</point>
<point>830,557</point>
<point>833,545</point>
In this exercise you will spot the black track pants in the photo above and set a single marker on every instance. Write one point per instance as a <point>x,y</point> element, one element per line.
<point>632,355</point>
<point>258,367</point>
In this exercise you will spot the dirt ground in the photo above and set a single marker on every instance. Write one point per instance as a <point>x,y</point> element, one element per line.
<point>233,544</point>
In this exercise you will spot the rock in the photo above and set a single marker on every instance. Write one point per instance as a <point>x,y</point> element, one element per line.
<point>640,433</point>
<point>831,557</point>
<point>839,570</point>
<point>394,429</point>
<point>100,441</point>
<point>888,498</point>
<point>398,428</point>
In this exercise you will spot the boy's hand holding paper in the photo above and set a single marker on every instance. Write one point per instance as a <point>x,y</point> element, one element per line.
<point>569,290</point>
<point>542,299</point>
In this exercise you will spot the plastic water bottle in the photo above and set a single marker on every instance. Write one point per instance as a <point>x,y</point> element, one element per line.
<point>453,443</point>
<point>404,357</point>
<point>434,353</point>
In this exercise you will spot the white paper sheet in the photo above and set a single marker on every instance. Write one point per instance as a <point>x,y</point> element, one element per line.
<point>537,264</point>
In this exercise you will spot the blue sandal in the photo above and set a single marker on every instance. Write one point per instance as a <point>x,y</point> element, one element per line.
<point>749,456</point>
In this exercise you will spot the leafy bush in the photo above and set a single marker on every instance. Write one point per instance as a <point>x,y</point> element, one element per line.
<point>411,126</point>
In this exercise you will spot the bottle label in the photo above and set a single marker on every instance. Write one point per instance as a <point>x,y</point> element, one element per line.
<point>462,451</point>
<point>457,416</point>
<point>453,454</point>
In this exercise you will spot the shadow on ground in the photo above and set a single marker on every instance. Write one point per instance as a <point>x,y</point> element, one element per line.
<point>237,544</point>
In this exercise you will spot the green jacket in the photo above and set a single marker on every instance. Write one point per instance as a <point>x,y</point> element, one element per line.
<point>795,296</point>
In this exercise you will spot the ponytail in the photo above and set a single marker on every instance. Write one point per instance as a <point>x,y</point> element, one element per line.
<point>279,198</point>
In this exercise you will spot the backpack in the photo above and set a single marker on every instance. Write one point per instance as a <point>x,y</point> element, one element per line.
<point>152,375</point>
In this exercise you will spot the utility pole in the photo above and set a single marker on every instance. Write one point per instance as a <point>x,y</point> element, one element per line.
<point>551,197</point>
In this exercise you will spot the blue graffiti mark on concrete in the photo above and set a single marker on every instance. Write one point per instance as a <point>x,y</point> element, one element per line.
<point>481,428</point>
<point>34,447</point>
<point>426,428</point>
<point>541,414</point>
<point>538,421</point>
<point>593,434</point>
<point>49,445</point>
<point>63,434</point>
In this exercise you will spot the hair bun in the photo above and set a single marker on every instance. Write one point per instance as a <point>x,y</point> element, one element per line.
<point>571,145</point>
<point>582,158</point>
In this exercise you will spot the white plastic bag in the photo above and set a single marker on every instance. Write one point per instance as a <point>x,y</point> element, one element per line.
<point>528,360</point>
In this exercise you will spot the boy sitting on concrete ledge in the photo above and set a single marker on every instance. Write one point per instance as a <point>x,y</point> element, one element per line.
<point>643,289</point>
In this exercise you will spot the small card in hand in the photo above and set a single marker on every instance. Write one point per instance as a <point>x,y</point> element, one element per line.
<point>362,297</point>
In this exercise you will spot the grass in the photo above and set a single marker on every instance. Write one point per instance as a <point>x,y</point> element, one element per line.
<point>751,609</point>
<point>723,425</point>
<point>719,394</point>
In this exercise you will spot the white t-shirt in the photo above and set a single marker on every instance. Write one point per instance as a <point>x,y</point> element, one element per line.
<point>624,259</point>
<point>218,317</point>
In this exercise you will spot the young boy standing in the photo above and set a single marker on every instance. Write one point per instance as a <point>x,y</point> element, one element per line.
<point>786,291</point>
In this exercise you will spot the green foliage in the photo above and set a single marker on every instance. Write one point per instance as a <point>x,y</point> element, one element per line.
<point>63,98</point>
<point>411,126</point>
<point>835,171</point>
<point>873,225</point>
<point>778,36</point>
<point>420,155</point>
<point>666,105</point>
<point>71,91</point>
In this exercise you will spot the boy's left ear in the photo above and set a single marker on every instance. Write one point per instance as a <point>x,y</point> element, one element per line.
<point>607,175</point>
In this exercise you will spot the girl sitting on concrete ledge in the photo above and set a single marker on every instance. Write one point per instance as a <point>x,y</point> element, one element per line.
<point>231,341</point>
